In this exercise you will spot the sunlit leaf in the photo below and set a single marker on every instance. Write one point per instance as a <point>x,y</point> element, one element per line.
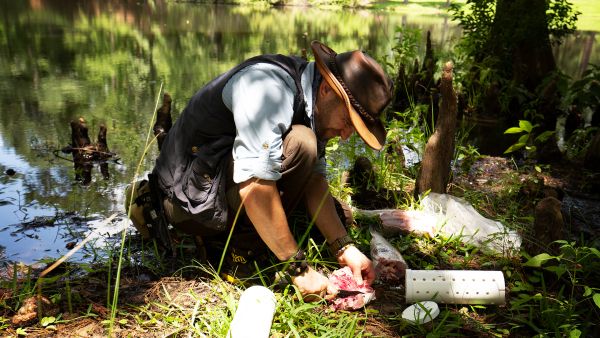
<point>595,252</point>
<point>513,130</point>
<point>47,321</point>
<point>596,298</point>
<point>575,333</point>
<point>588,291</point>
<point>523,138</point>
<point>525,125</point>
<point>514,147</point>
<point>538,260</point>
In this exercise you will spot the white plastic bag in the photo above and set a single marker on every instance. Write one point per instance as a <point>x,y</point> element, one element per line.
<point>451,216</point>
<point>459,218</point>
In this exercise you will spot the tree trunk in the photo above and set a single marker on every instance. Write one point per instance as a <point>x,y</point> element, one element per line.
<point>435,167</point>
<point>163,120</point>
<point>520,41</point>
<point>520,38</point>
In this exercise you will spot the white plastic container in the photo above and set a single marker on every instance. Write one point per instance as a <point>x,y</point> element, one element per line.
<point>455,286</point>
<point>254,314</point>
<point>421,313</point>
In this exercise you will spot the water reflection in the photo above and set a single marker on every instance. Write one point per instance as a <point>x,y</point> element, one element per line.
<point>577,52</point>
<point>85,154</point>
<point>108,60</point>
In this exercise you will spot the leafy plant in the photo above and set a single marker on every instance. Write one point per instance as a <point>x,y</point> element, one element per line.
<point>4,323</point>
<point>562,19</point>
<point>476,18</point>
<point>580,99</point>
<point>528,139</point>
<point>560,304</point>
<point>406,45</point>
<point>48,321</point>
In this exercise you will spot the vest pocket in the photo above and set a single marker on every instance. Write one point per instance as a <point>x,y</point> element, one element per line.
<point>204,184</point>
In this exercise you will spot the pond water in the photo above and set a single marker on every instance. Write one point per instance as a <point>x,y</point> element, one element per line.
<point>106,61</point>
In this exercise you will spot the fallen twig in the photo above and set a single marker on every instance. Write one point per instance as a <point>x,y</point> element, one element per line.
<point>75,249</point>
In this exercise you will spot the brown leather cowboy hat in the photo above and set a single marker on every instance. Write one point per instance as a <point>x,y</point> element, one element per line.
<point>363,86</point>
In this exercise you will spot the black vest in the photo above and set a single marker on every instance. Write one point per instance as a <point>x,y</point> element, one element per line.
<point>204,133</point>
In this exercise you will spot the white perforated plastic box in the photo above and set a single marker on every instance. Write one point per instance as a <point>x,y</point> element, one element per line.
<point>455,286</point>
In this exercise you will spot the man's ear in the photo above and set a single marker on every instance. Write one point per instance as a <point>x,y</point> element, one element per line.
<point>324,88</point>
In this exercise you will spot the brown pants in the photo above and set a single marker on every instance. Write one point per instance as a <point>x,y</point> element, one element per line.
<point>299,157</point>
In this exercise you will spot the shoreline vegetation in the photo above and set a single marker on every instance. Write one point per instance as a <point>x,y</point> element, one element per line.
<point>589,19</point>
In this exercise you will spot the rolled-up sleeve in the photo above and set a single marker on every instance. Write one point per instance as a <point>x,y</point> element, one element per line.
<point>261,98</point>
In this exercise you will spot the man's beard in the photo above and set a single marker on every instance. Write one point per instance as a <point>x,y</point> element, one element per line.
<point>318,130</point>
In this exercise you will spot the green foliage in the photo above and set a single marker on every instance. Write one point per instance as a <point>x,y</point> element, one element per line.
<point>577,145</point>
<point>528,139</point>
<point>295,317</point>
<point>4,323</point>
<point>585,92</point>
<point>580,98</point>
<point>48,321</point>
<point>476,19</point>
<point>465,154</point>
<point>562,19</point>
<point>494,30</point>
<point>406,46</point>
<point>556,296</point>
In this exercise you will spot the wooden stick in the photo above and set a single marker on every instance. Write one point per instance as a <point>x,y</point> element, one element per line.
<point>75,249</point>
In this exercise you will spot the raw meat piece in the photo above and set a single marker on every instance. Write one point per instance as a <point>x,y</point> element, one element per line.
<point>389,264</point>
<point>343,280</point>
<point>407,221</point>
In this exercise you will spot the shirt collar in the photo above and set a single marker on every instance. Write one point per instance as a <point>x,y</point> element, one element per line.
<point>310,81</point>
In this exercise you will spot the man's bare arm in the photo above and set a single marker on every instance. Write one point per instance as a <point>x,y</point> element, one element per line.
<point>320,203</point>
<point>263,207</point>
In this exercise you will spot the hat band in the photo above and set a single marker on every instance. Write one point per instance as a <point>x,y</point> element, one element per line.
<point>362,111</point>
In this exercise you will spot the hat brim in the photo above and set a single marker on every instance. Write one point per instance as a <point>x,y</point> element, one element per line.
<point>373,134</point>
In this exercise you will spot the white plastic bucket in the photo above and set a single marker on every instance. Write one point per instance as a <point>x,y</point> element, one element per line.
<point>455,286</point>
<point>254,314</point>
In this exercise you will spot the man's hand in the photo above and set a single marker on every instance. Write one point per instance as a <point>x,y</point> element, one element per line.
<point>313,285</point>
<point>361,266</point>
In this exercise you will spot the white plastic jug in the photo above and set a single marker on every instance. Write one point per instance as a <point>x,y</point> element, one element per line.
<point>254,314</point>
